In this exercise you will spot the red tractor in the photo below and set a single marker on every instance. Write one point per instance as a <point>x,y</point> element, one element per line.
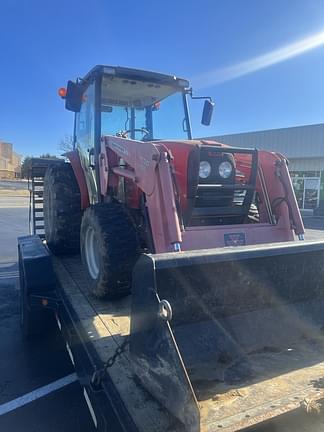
<point>203,234</point>
<point>137,182</point>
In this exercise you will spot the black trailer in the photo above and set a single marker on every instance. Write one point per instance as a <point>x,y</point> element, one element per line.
<point>54,292</point>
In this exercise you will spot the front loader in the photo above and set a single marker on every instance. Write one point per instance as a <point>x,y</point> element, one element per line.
<point>227,297</point>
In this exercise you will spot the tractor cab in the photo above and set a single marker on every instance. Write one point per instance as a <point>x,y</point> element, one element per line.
<point>144,108</point>
<point>127,103</point>
<point>133,104</point>
<point>153,107</point>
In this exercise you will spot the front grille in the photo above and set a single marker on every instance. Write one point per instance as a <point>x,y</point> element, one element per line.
<point>221,201</point>
<point>211,191</point>
<point>212,195</point>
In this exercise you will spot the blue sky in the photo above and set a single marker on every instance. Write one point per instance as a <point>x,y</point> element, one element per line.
<point>44,43</point>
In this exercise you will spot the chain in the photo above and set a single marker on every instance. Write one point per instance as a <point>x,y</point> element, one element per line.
<point>99,374</point>
<point>122,348</point>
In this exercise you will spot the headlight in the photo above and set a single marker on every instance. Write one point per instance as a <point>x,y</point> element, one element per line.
<point>225,169</point>
<point>204,169</point>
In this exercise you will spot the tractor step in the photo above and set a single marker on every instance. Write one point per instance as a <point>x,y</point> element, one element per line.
<point>36,175</point>
<point>36,178</point>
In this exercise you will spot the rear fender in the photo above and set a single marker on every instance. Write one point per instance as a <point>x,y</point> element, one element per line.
<point>74,159</point>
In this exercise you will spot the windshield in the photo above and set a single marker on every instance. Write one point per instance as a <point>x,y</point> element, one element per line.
<point>142,110</point>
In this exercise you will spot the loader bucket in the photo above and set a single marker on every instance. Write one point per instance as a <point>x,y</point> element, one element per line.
<point>226,338</point>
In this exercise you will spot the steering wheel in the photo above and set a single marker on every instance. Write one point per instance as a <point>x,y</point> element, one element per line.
<point>143,130</point>
<point>124,134</point>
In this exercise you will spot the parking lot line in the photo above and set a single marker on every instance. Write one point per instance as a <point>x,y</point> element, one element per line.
<point>36,394</point>
<point>7,264</point>
<point>9,275</point>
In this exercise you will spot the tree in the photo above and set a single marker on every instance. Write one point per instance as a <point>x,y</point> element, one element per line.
<point>48,156</point>
<point>66,143</point>
<point>26,166</point>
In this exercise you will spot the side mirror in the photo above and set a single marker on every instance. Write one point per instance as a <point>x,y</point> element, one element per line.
<point>207,112</point>
<point>74,94</point>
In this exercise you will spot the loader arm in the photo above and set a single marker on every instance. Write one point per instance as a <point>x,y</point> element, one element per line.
<point>294,213</point>
<point>148,166</point>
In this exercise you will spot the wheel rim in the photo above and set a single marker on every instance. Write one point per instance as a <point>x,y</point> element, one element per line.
<point>91,252</point>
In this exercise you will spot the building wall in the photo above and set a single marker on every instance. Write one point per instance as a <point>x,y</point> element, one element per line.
<point>295,143</point>
<point>10,161</point>
<point>5,150</point>
<point>309,164</point>
<point>304,148</point>
<point>15,164</point>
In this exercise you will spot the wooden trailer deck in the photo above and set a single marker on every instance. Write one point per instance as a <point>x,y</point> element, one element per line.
<point>107,324</point>
<point>285,379</point>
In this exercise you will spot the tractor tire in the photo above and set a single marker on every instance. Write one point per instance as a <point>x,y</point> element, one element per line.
<point>62,210</point>
<point>109,249</point>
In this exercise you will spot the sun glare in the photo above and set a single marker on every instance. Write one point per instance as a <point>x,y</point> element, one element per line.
<point>220,75</point>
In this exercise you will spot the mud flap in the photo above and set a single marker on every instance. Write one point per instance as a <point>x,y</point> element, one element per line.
<point>197,316</point>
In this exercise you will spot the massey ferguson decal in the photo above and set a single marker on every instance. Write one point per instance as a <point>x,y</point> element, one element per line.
<point>234,239</point>
<point>119,148</point>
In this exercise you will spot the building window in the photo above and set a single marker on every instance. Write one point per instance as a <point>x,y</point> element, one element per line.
<point>307,189</point>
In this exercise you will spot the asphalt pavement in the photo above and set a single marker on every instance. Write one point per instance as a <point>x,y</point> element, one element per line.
<point>13,223</point>
<point>314,226</point>
<point>42,370</point>
<point>14,184</point>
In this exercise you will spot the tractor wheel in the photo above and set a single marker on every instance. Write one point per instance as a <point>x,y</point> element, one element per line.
<point>62,210</point>
<point>109,249</point>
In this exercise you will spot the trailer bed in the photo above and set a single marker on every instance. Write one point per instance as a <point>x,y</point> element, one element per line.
<point>107,324</point>
<point>232,408</point>
<point>286,378</point>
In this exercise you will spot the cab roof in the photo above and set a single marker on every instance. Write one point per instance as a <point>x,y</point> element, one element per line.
<point>137,74</point>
